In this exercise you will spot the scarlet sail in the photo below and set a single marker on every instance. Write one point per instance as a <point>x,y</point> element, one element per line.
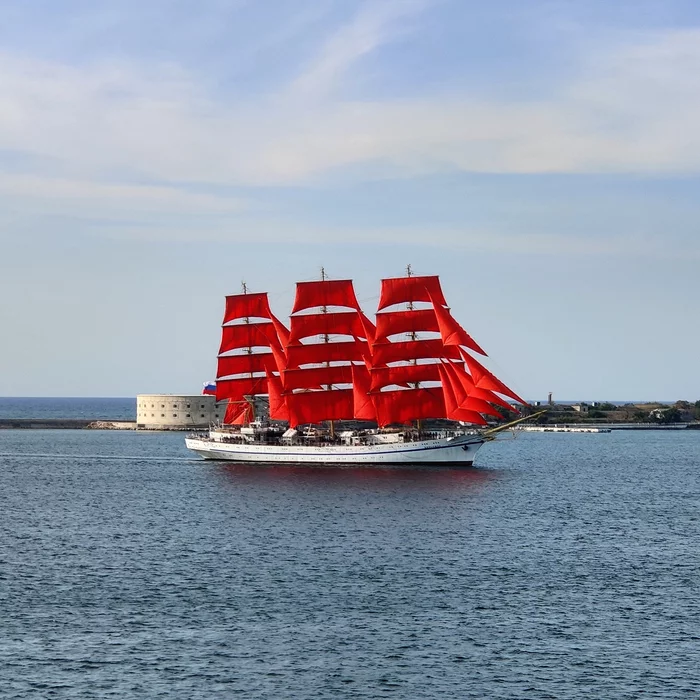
<point>402,290</point>
<point>244,364</point>
<point>403,375</point>
<point>335,365</point>
<point>318,406</point>
<point>307,382</point>
<point>342,323</point>
<point>237,389</point>
<point>316,377</point>
<point>452,333</point>
<point>395,322</point>
<point>325,293</point>
<point>395,407</point>
<point>248,335</point>
<point>246,306</point>
<point>239,333</point>
<point>312,394</point>
<point>384,353</point>
<point>314,353</point>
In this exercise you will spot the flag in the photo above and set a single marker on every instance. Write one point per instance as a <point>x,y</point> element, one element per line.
<point>209,388</point>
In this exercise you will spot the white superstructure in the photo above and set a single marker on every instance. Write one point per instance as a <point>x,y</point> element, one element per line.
<point>258,443</point>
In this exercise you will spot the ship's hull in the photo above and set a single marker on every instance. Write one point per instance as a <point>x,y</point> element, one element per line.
<point>456,451</point>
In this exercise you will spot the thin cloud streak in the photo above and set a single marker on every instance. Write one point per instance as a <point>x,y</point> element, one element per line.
<point>634,109</point>
<point>457,239</point>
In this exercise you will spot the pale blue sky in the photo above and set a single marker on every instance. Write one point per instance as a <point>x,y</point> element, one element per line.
<point>542,156</point>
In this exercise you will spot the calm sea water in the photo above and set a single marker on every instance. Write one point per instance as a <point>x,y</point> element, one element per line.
<point>565,566</point>
<point>75,408</point>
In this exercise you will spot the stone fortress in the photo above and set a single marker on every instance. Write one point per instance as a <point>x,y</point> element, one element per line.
<point>177,412</point>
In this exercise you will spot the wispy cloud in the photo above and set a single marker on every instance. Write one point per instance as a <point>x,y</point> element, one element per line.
<point>98,131</point>
<point>375,25</point>
<point>633,108</point>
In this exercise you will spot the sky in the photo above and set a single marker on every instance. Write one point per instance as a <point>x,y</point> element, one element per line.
<point>542,157</point>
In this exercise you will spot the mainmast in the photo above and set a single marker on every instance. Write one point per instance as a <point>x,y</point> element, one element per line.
<point>413,336</point>
<point>316,394</point>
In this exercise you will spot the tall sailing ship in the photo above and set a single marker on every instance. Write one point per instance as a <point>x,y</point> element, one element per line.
<point>335,388</point>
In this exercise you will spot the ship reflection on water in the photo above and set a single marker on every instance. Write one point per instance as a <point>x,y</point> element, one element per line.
<point>381,477</point>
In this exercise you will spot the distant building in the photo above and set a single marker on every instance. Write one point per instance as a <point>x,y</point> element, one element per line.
<point>177,412</point>
<point>580,407</point>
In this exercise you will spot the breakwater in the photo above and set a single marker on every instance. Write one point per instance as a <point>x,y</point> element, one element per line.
<point>64,424</point>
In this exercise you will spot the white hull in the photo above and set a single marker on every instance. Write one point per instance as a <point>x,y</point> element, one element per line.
<point>456,451</point>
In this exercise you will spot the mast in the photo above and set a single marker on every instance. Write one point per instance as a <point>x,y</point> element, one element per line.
<point>249,352</point>
<point>406,390</point>
<point>243,372</point>
<point>414,336</point>
<point>329,387</point>
<point>318,371</point>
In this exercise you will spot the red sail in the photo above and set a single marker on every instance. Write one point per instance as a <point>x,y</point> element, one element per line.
<point>238,413</point>
<point>325,293</point>
<point>383,353</point>
<point>343,323</point>
<point>409,289</point>
<point>326,352</point>
<point>464,388</point>
<point>243,364</point>
<point>236,389</point>
<point>281,361</point>
<point>452,333</point>
<point>317,406</point>
<point>246,305</point>
<point>483,379</point>
<point>395,322</point>
<point>278,406</point>
<point>315,377</point>
<point>282,332</point>
<point>363,406</point>
<point>248,335</point>
<point>370,330</point>
<point>403,374</point>
<point>407,405</point>
<point>452,407</point>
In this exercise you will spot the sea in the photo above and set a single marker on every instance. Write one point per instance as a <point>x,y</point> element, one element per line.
<point>561,566</point>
